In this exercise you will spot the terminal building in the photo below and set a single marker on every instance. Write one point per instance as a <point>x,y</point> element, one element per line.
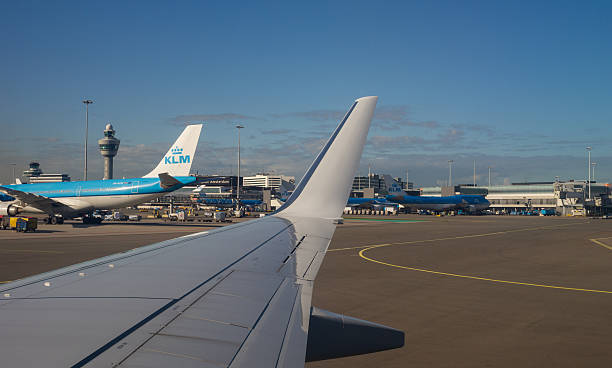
<point>564,197</point>
<point>263,180</point>
<point>34,174</point>
<point>263,187</point>
<point>373,185</point>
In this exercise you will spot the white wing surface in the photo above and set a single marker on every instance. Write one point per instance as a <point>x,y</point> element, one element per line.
<point>239,296</point>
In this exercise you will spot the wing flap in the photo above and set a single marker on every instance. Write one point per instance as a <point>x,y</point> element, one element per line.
<point>48,324</point>
<point>144,357</point>
<point>264,345</point>
<point>214,327</point>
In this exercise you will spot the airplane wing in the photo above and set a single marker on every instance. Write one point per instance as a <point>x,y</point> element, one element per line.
<point>239,296</point>
<point>45,204</point>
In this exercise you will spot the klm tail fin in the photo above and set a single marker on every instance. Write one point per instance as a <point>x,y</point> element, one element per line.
<point>393,187</point>
<point>324,189</point>
<point>177,162</point>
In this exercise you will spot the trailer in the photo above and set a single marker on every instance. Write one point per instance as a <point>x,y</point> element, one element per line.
<point>19,223</point>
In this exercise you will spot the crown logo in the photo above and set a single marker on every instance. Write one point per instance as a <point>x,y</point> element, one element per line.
<point>177,151</point>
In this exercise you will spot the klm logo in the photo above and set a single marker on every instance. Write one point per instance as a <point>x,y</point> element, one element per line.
<point>177,157</point>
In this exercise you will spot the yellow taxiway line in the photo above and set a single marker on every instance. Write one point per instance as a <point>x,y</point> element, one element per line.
<point>453,237</point>
<point>366,248</point>
<point>597,241</point>
<point>361,254</point>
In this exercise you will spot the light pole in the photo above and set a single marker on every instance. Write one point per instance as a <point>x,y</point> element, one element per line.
<point>589,170</point>
<point>14,178</point>
<point>450,173</point>
<point>593,164</point>
<point>489,177</point>
<point>87,103</point>
<point>238,181</point>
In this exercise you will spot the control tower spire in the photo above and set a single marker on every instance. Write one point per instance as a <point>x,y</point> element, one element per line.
<point>108,148</point>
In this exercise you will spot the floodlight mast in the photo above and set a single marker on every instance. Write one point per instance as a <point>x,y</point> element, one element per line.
<point>238,126</point>
<point>589,170</point>
<point>87,103</point>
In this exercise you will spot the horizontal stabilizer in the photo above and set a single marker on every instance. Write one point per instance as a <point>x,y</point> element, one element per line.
<point>166,181</point>
<point>332,335</point>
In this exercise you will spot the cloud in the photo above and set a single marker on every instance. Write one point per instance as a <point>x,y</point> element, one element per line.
<point>445,140</point>
<point>314,115</point>
<point>288,143</point>
<point>451,136</point>
<point>431,168</point>
<point>394,143</point>
<point>396,117</point>
<point>181,120</point>
<point>391,113</point>
<point>480,129</point>
<point>277,131</point>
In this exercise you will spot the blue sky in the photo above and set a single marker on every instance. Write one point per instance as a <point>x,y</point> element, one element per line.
<point>521,86</point>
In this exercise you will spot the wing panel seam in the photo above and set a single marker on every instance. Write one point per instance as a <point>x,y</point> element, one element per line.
<point>126,256</point>
<point>174,301</point>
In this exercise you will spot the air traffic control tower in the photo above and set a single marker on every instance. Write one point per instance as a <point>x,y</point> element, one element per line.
<point>109,145</point>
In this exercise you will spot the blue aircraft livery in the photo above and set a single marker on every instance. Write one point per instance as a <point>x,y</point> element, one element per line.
<point>468,203</point>
<point>370,203</point>
<point>177,157</point>
<point>81,198</point>
<point>227,202</point>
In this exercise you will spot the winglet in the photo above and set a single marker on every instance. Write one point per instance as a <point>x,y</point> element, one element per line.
<point>178,160</point>
<point>324,189</point>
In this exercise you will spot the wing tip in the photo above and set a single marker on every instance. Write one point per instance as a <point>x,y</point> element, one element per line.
<point>365,98</point>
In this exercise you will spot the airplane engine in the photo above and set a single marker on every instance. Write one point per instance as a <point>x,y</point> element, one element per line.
<point>7,209</point>
<point>332,335</point>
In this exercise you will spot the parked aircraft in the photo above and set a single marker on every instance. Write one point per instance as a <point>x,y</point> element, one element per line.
<point>239,296</point>
<point>468,203</point>
<point>81,198</point>
<point>370,203</point>
<point>228,202</point>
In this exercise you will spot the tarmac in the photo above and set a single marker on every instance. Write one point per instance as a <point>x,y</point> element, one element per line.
<point>490,291</point>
